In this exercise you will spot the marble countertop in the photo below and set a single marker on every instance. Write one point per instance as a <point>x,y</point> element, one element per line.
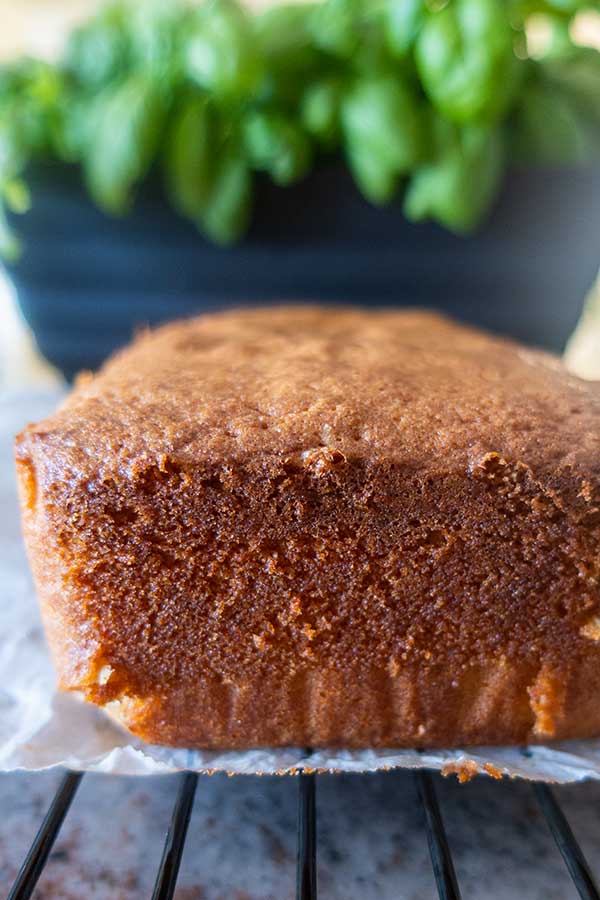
<point>242,839</point>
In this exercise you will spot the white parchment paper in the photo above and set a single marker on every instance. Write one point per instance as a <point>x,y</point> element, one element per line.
<point>40,728</point>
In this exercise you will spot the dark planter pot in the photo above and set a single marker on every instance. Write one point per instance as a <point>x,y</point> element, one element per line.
<point>85,282</point>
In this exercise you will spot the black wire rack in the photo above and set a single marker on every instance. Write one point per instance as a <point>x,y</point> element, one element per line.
<point>306,885</point>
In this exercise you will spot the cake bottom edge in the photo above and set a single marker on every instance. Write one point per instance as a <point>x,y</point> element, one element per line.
<point>496,703</point>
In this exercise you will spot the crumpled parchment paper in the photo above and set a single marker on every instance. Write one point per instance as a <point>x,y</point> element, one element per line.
<point>40,728</point>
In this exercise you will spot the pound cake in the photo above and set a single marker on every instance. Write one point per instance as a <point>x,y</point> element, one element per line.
<point>316,527</point>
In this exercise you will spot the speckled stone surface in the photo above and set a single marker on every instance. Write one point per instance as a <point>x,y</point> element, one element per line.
<point>242,839</point>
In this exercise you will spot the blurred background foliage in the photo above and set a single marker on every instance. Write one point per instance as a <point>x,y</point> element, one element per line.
<point>425,99</point>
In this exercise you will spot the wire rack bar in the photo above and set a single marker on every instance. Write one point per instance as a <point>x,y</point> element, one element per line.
<point>441,856</point>
<point>39,851</point>
<point>168,870</point>
<point>306,880</point>
<point>566,842</point>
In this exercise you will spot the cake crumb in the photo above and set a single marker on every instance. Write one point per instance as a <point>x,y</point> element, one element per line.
<point>104,675</point>
<point>546,697</point>
<point>393,668</point>
<point>464,770</point>
<point>591,629</point>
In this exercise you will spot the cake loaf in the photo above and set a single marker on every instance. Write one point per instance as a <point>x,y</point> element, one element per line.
<point>314,527</point>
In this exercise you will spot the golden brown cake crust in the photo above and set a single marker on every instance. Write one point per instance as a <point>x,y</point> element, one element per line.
<point>314,526</point>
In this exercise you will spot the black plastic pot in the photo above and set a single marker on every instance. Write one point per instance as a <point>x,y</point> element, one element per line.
<point>86,281</point>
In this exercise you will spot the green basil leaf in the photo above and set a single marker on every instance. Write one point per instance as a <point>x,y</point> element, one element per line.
<point>381,122</point>
<point>285,29</point>
<point>158,30</point>
<point>10,246</point>
<point>548,128</point>
<point>16,195</point>
<point>569,7</point>
<point>335,26</point>
<point>208,177</point>
<point>13,155</point>
<point>403,21</point>
<point>29,112</point>
<point>376,180</point>
<point>99,51</point>
<point>320,110</point>
<point>190,156</point>
<point>291,58</point>
<point>519,11</point>
<point>465,58</point>
<point>227,212</point>
<point>73,131</point>
<point>576,74</point>
<point>222,53</point>
<point>458,186</point>
<point>276,145</point>
<point>127,125</point>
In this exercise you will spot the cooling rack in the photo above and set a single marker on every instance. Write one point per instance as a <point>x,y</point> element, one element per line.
<point>307,848</point>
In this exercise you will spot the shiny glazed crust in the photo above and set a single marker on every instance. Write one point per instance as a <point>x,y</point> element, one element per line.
<point>323,527</point>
